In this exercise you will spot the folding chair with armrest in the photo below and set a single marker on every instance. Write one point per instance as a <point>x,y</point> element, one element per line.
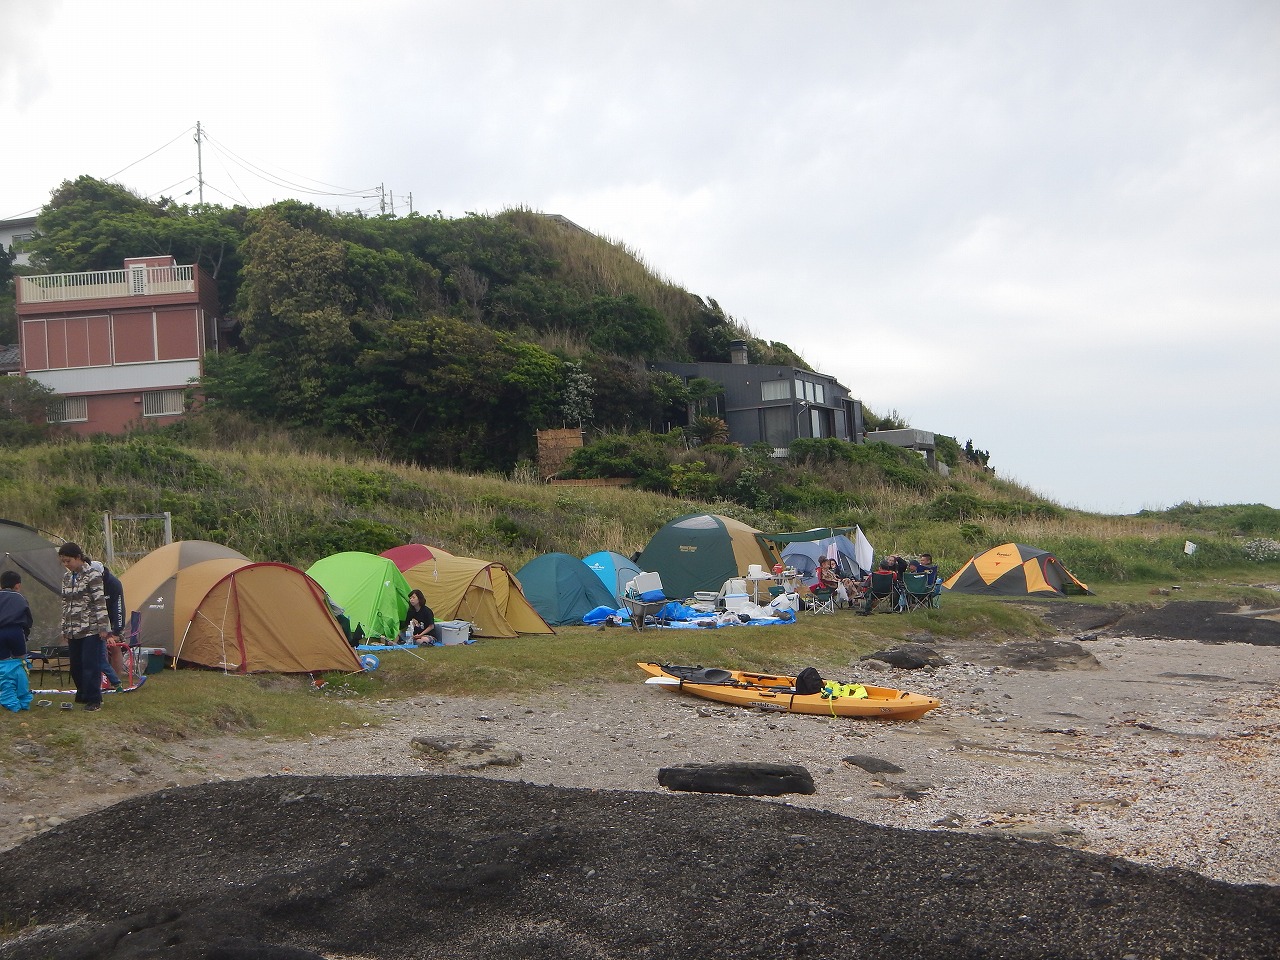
<point>822,600</point>
<point>883,590</point>
<point>916,591</point>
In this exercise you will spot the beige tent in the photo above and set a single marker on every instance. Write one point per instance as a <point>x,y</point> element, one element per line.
<point>235,615</point>
<point>482,592</point>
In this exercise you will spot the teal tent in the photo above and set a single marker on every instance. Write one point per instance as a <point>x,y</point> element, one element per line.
<point>614,570</point>
<point>371,591</point>
<point>562,588</point>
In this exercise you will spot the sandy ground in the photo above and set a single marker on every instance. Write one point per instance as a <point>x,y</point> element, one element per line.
<point>1098,795</point>
<point>1160,751</point>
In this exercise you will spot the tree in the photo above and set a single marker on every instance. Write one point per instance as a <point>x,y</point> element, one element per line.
<point>90,224</point>
<point>26,407</point>
<point>579,388</point>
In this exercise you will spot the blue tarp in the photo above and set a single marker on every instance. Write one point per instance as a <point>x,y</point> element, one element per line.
<point>678,616</point>
<point>15,690</point>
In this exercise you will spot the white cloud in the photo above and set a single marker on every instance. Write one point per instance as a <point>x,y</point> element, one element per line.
<point>1073,205</point>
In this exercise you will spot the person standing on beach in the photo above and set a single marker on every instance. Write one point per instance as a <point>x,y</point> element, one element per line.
<point>113,589</point>
<point>85,625</point>
<point>15,617</point>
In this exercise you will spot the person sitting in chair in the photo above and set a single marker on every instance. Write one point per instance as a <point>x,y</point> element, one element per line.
<point>828,578</point>
<point>847,589</point>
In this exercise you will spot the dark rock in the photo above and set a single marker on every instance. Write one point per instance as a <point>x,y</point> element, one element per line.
<point>909,656</point>
<point>1203,620</point>
<point>468,754</point>
<point>437,864</point>
<point>1044,655</point>
<point>873,764</point>
<point>742,779</point>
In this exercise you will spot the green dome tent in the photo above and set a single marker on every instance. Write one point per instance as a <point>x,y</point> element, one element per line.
<point>370,589</point>
<point>1015,570</point>
<point>700,551</point>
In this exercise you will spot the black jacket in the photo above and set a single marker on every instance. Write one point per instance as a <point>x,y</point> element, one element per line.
<point>15,611</point>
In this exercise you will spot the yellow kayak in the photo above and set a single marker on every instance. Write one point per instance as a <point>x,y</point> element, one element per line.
<point>768,692</point>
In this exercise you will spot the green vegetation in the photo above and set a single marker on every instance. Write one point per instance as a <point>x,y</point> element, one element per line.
<point>377,359</point>
<point>437,341</point>
<point>272,496</point>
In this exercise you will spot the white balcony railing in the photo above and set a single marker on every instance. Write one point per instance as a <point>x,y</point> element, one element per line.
<point>99,284</point>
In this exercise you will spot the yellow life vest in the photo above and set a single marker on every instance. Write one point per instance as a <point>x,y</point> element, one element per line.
<point>834,690</point>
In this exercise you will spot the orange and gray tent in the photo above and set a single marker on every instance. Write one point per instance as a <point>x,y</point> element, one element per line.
<point>1015,570</point>
<point>700,551</point>
<point>482,592</point>
<point>232,614</point>
<point>151,587</point>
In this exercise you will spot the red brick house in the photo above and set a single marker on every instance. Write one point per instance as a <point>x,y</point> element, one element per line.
<point>120,346</point>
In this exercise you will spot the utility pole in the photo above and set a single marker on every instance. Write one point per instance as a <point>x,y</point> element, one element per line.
<point>200,161</point>
<point>382,198</point>
<point>411,203</point>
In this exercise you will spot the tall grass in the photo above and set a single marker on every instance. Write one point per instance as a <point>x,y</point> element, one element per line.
<point>278,496</point>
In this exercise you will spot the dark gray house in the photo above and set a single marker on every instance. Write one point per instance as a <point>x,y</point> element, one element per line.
<point>775,404</point>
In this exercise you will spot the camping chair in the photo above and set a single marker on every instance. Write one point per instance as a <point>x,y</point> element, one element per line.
<point>822,600</point>
<point>55,660</point>
<point>916,592</point>
<point>883,588</point>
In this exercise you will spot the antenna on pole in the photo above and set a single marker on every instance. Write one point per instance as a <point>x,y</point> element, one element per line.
<point>199,160</point>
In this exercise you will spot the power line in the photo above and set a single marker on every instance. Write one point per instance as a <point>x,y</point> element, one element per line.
<point>292,174</point>
<point>280,181</point>
<point>147,157</point>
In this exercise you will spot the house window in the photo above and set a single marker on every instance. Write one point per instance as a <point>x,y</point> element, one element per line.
<point>20,241</point>
<point>161,403</point>
<point>71,410</point>
<point>774,390</point>
<point>819,393</point>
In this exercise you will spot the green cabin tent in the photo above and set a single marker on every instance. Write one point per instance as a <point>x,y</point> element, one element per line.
<point>562,588</point>
<point>370,589</point>
<point>1015,570</point>
<point>700,551</point>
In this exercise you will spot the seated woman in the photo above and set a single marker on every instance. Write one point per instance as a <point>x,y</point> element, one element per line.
<point>828,578</point>
<point>847,589</point>
<point>420,620</point>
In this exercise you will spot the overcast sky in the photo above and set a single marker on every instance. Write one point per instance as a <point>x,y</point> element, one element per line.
<point>1049,227</point>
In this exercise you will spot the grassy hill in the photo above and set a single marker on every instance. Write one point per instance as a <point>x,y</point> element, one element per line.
<point>277,497</point>
<point>274,496</point>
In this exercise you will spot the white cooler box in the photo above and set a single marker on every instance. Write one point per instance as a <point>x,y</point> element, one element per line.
<point>454,632</point>
<point>736,601</point>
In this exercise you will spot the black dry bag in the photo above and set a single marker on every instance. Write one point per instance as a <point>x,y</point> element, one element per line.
<point>808,681</point>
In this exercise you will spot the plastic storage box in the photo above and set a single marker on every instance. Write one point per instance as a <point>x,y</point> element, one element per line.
<point>453,632</point>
